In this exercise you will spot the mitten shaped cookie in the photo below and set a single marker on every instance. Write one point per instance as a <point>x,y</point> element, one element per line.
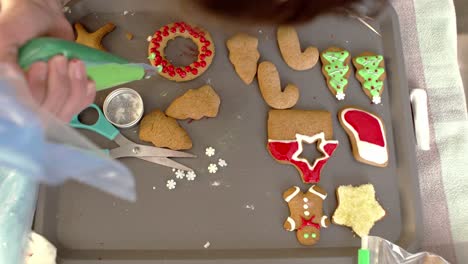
<point>306,213</point>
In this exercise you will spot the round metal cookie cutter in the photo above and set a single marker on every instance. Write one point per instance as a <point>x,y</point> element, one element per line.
<point>123,107</point>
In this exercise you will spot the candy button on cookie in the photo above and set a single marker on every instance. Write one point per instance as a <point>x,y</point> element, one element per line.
<point>200,37</point>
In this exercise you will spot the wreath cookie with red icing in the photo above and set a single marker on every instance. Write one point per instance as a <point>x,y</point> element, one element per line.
<point>200,37</point>
<point>289,130</point>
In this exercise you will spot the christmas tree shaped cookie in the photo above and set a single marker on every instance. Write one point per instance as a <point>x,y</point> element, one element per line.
<point>335,68</point>
<point>370,71</point>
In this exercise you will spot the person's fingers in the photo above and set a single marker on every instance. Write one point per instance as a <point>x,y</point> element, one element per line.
<point>78,90</point>
<point>90,95</point>
<point>37,79</point>
<point>58,84</point>
<point>61,29</point>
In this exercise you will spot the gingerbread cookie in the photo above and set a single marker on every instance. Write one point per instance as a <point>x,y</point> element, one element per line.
<point>201,38</point>
<point>336,70</point>
<point>244,55</point>
<point>287,132</point>
<point>164,132</point>
<point>358,208</point>
<point>367,135</point>
<point>290,47</point>
<point>93,39</point>
<point>370,71</point>
<point>306,213</point>
<point>195,104</point>
<point>270,87</point>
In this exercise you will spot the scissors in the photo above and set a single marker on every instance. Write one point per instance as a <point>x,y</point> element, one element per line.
<point>128,148</point>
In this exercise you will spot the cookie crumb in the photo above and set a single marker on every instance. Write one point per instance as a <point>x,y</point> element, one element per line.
<point>215,183</point>
<point>129,35</point>
<point>210,151</point>
<point>207,244</point>
<point>250,206</point>
<point>212,168</point>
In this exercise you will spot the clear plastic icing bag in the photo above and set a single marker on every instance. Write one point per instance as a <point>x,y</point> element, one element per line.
<point>385,252</point>
<point>34,144</point>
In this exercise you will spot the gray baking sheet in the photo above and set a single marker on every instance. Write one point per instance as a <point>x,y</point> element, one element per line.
<point>239,210</point>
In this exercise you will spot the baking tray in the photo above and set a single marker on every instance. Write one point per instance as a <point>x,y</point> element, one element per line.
<point>238,210</point>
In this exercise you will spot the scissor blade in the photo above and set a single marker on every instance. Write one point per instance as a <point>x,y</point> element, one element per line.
<point>135,150</point>
<point>166,162</point>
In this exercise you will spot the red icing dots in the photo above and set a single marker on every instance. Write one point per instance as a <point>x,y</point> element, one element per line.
<point>158,44</point>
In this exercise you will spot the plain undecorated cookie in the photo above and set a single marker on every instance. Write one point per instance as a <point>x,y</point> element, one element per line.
<point>290,47</point>
<point>195,104</point>
<point>285,124</point>
<point>270,86</point>
<point>164,132</point>
<point>244,55</point>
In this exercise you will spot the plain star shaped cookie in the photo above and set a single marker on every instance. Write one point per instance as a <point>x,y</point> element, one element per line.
<point>92,39</point>
<point>358,208</point>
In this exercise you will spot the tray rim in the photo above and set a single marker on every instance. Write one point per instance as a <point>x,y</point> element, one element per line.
<point>411,233</point>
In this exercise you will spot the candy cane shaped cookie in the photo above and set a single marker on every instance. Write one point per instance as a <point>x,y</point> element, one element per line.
<point>270,87</point>
<point>290,47</point>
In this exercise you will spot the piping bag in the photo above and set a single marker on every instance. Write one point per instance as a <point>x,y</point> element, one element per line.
<point>105,69</point>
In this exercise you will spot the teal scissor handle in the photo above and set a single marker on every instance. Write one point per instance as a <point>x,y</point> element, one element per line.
<point>102,126</point>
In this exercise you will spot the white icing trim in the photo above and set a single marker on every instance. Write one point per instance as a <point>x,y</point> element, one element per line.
<point>305,200</point>
<point>306,213</point>
<point>282,141</point>
<point>376,99</point>
<point>368,151</point>
<point>312,190</point>
<point>305,206</point>
<point>322,221</point>
<point>340,96</point>
<point>320,146</point>
<point>292,195</point>
<point>291,223</point>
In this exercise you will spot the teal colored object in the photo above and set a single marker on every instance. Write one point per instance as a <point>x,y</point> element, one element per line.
<point>363,256</point>
<point>102,126</point>
<point>105,69</point>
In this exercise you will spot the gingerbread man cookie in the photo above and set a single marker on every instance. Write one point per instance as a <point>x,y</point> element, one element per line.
<point>290,47</point>
<point>201,38</point>
<point>270,86</point>
<point>289,130</point>
<point>370,71</point>
<point>244,55</point>
<point>92,39</point>
<point>306,213</point>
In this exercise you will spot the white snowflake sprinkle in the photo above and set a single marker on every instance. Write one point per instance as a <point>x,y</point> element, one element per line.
<point>376,100</point>
<point>173,169</point>
<point>250,206</point>
<point>154,187</point>
<point>149,38</point>
<point>222,163</point>
<point>171,184</point>
<point>340,96</point>
<point>212,168</point>
<point>191,176</point>
<point>125,13</point>
<point>180,174</point>
<point>210,151</point>
<point>207,244</point>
